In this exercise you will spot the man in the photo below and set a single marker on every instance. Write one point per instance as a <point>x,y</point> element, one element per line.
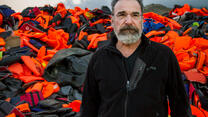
<point>133,76</point>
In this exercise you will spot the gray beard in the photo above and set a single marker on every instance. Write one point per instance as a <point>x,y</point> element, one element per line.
<point>128,38</point>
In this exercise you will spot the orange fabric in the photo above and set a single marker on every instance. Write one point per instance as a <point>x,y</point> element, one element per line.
<point>61,10</point>
<point>197,112</point>
<point>204,112</point>
<point>2,30</point>
<point>97,22</point>
<point>154,33</point>
<point>204,10</point>
<point>187,31</point>
<point>16,69</point>
<point>181,11</point>
<point>57,39</point>
<point>82,34</point>
<point>34,67</point>
<point>19,17</point>
<point>206,59</point>
<point>26,19</point>
<point>36,87</point>
<point>50,88</point>
<point>182,55</point>
<point>95,38</point>
<point>196,100</point>
<point>156,39</point>
<point>199,12</point>
<point>201,43</point>
<point>47,91</point>
<point>41,52</point>
<point>194,76</point>
<point>204,70</point>
<point>170,35</point>
<point>2,42</point>
<point>75,20</point>
<point>164,20</point>
<point>2,49</point>
<point>27,71</point>
<point>42,55</point>
<point>183,42</point>
<point>47,88</point>
<point>75,105</point>
<point>43,20</point>
<point>8,99</point>
<point>23,107</point>
<point>11,115</point>
<point>25,42</point>
<point>169,39</point>
<point>200,60</point>
<point>187,64</point>
<point>169,43</point>
<point>27,79</point>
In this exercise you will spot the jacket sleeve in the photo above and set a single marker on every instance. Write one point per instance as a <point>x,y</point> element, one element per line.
<point>91,97</point>
<point>178,99</point>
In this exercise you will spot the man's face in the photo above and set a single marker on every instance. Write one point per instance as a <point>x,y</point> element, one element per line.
<point>127,21</point>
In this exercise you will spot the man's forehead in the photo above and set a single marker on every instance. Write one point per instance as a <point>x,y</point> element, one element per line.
<point>128,6</point>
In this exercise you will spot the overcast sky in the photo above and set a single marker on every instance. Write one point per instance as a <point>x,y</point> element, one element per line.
<point>19,5</point>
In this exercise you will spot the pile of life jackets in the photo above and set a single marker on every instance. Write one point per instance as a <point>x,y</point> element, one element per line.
<point>42,33</point>
<point>45,31</point>
<point>185,31</point>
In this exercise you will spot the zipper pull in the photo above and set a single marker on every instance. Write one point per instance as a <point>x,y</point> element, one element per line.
<point>128,85</point>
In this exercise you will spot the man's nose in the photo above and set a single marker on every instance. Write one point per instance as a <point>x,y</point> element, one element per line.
<point>128,19</point>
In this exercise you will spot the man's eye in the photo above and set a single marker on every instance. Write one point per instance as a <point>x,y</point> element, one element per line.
<point>121,15</point>
<point>136,15</point>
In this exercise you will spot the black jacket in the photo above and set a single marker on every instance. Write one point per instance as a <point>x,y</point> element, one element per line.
<point>156,77</point>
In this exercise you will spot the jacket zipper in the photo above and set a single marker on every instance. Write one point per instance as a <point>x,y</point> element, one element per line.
<point>127,90</point>
<point>127,96</point>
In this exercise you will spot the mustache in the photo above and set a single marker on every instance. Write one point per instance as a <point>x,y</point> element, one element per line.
<point>128,27</point>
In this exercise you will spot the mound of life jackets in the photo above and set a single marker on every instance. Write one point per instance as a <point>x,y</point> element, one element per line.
<point>38,79</point>
<point>184,30</point>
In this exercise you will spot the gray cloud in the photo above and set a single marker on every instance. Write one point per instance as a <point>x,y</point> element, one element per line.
<point>91,4</point>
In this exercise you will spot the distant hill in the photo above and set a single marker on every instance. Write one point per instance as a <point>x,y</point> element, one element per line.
<point>156,8</point>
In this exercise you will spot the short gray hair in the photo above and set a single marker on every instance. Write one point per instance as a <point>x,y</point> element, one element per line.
<point>113,3</point>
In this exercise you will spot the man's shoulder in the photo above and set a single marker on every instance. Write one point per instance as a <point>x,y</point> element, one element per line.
<point>100,51</point>
<point>160,47</point>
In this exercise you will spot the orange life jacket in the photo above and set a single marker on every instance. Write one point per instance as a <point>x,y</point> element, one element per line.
<point>75,105</point>
<point>47,88</point>
<point>24,107</point>
<point>19,17</point>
